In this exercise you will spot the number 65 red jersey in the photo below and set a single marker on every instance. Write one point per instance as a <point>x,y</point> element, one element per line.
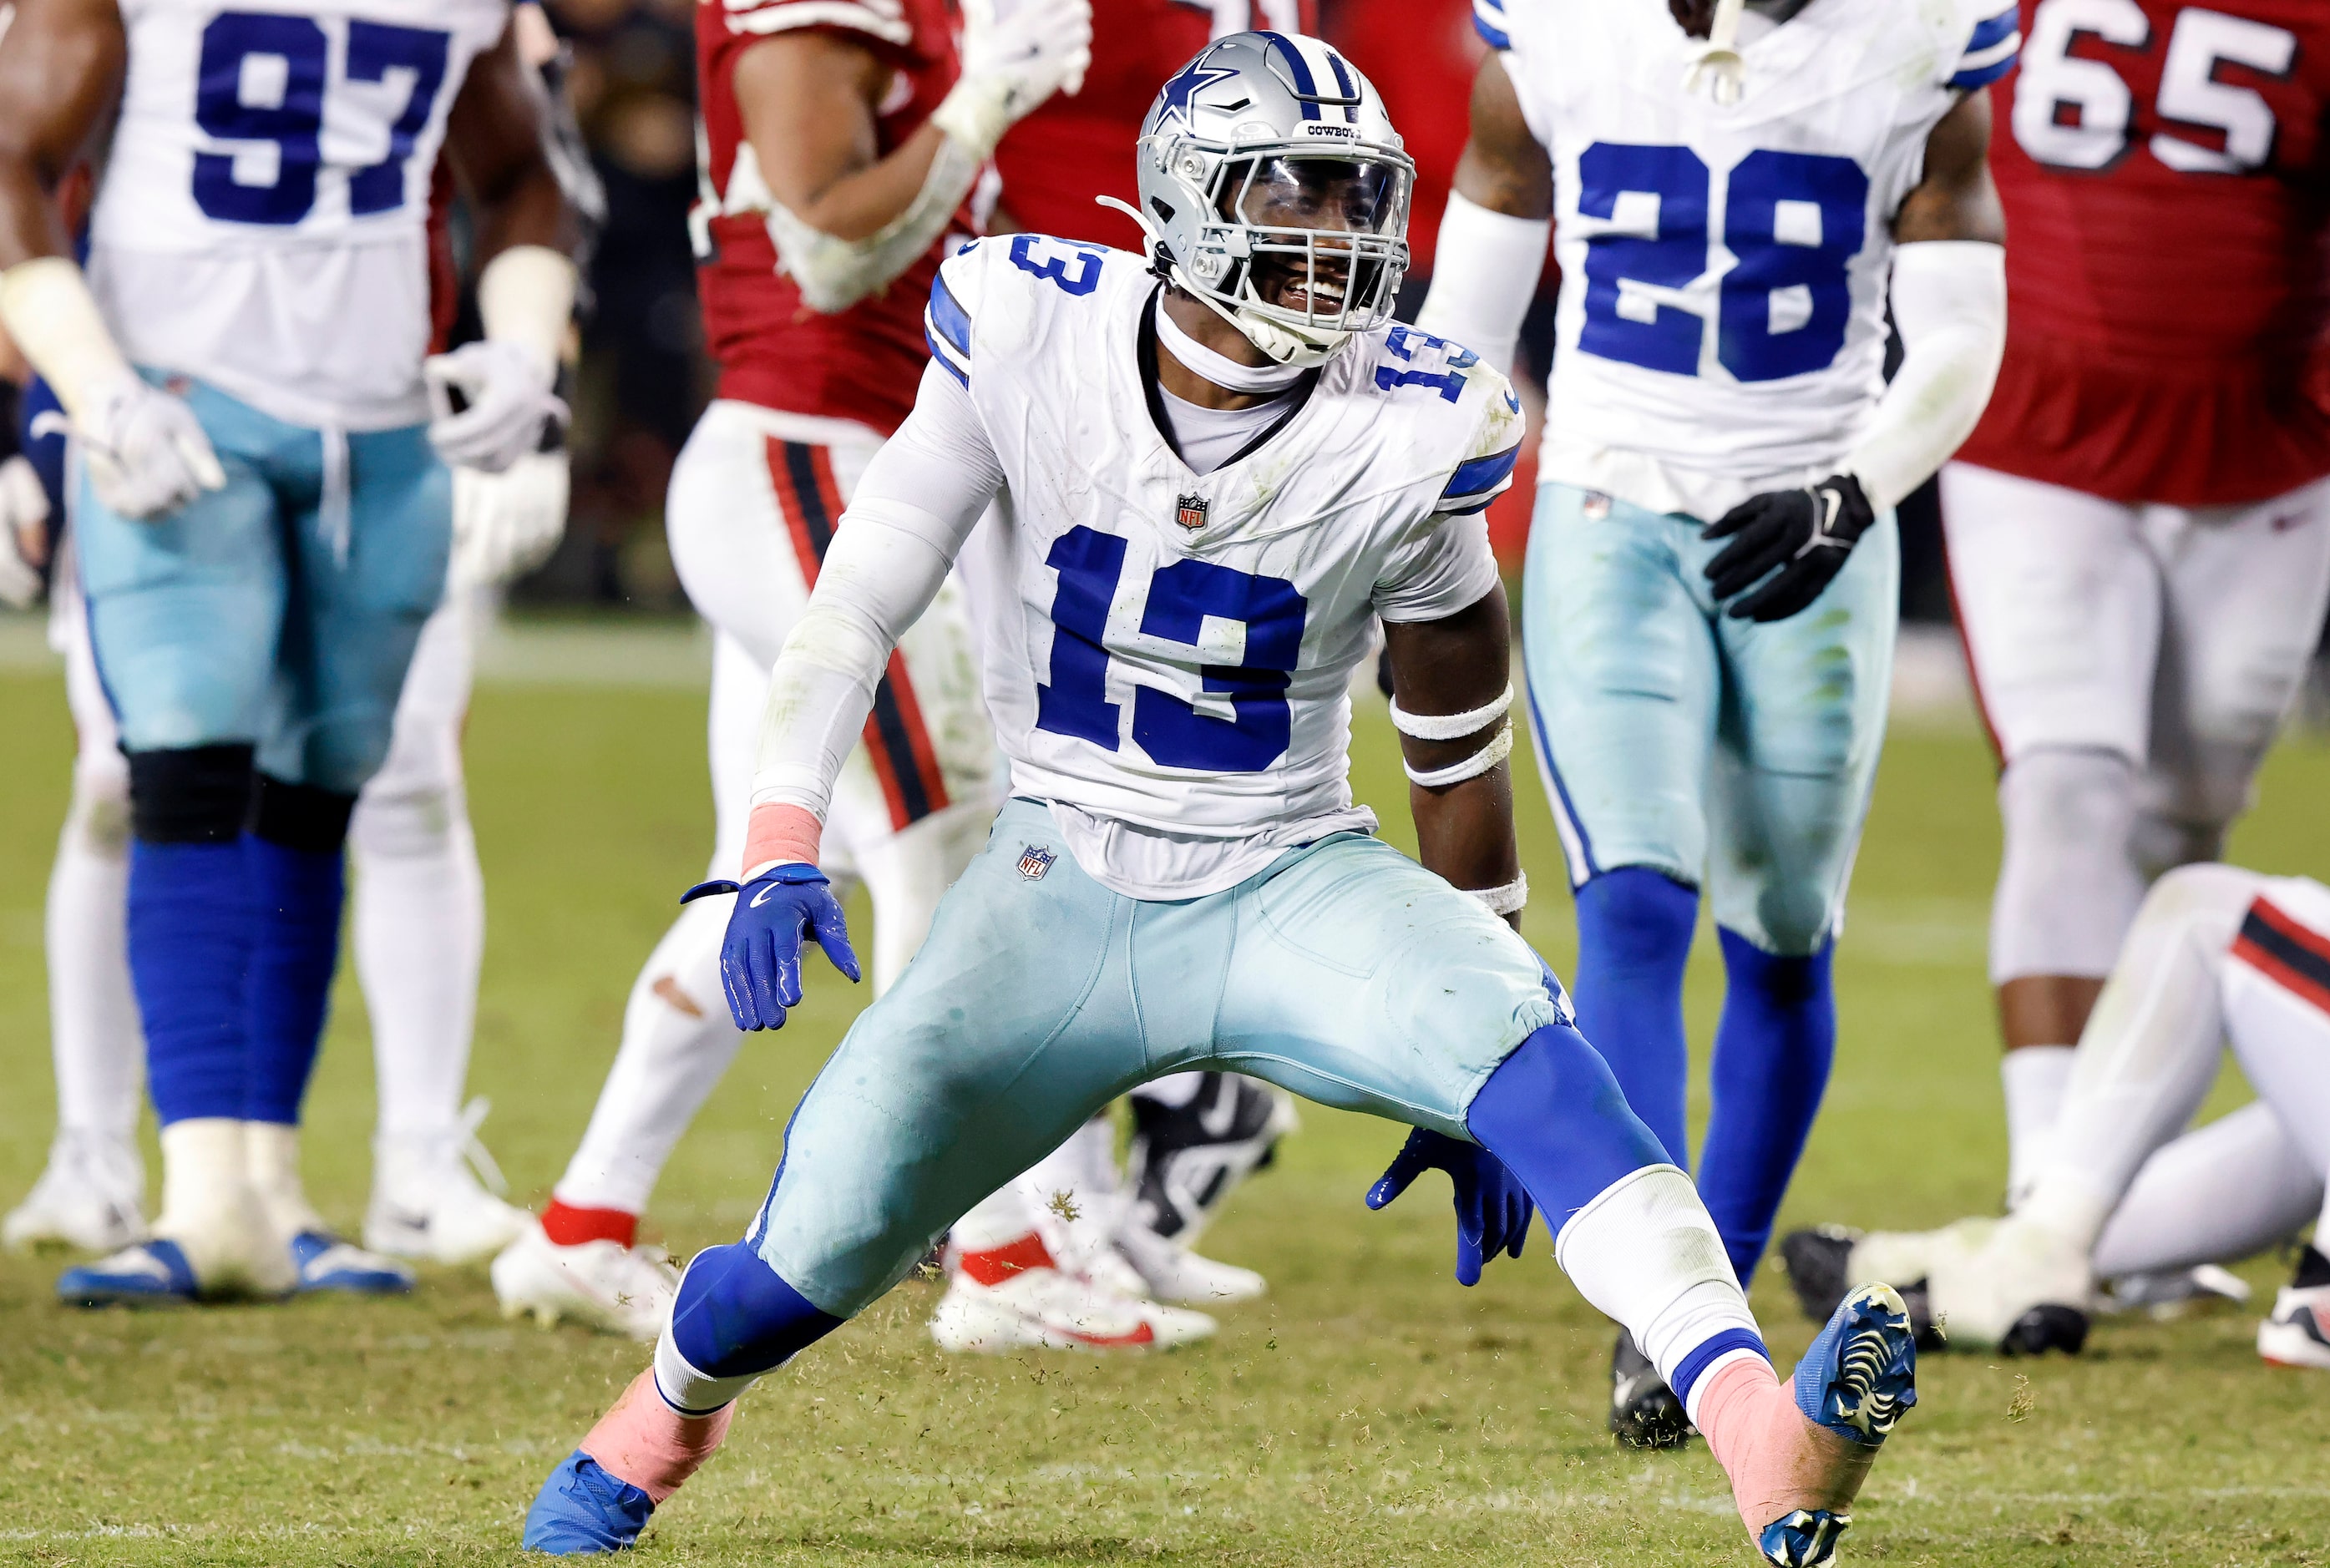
<point>2165,181</point>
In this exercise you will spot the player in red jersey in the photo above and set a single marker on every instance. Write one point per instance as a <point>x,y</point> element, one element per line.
<point>2139,531</point>
<point>840,142</point>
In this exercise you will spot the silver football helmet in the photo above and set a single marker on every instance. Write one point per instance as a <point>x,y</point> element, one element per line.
<point>1273,190</point>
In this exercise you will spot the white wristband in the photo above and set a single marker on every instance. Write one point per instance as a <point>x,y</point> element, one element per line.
<point>1450,726</point>
<point>1500,747</point>
<point>47,308</point>
<point>1510,899</point>
<point>526,295</point>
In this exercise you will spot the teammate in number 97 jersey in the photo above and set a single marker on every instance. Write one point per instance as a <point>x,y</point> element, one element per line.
<point>264,516</point>
<point>1712,574</point>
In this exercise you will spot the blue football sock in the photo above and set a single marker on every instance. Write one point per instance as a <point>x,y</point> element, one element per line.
<point>296,894</point>
<point>1553,1113</point>
<point>735,1317</point>
<point>1773,1048</point>
<point>191,933</point>
<point>1634,937</point>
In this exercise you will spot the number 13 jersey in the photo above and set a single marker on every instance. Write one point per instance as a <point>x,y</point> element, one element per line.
<point>1721,326</point>
<point>262,223</point>
<point>1167,653</point>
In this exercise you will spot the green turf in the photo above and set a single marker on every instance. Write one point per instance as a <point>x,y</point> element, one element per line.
<point>1368,1413</point>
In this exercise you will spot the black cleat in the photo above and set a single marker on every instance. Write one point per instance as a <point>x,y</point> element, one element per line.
<point>1818,1263</point>
<point>2044,1328</point>
<point>1645,1412</point>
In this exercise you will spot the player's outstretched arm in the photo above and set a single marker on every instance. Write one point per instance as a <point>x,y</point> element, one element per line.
<point>60,69</point>
<point>907,521</point>
<point>1493,236</point>
<point>1949,305</point>
<point>847,217</point>
<point>1451,701</point>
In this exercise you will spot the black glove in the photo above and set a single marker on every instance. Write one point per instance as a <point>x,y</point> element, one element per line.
<point>1806,534</point>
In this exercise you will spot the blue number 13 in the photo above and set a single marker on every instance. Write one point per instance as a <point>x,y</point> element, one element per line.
<point>261,78</point>
<point>1768,261</point>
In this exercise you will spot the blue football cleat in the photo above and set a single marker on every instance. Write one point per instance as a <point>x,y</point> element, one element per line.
<point>150,1274</point>
<point>1857,1379</point>
<point>326,1262</point>
<point>581,1509</point>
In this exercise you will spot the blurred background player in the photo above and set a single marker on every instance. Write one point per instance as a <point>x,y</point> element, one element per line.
<point>1713,582</point>
<point>2215,955</point>
<point>252,618</point>
<point>841,142</point>
<point>1195,1135</point>
<point>418,908</point>
<point>2139,528</point>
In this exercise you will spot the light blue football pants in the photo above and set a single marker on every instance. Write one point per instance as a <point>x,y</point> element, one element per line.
<point>260,615</point>
<point>1343,971</point>
<point>1729,755</point>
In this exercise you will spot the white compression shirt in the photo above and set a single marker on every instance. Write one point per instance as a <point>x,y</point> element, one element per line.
<point>1208,437</point>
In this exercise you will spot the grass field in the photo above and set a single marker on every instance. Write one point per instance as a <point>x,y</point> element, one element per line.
<point>1368,1412</point>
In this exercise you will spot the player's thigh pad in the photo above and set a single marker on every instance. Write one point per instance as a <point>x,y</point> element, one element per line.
<point>2059,602</point>
<point>185,610</point>
<point>1621,682</point>
<point>1363,981</point>
<point>1802,723</point>
<point>369,577</point>
<point>1015,1022</point>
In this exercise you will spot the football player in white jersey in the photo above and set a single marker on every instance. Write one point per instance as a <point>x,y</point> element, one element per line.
<point>1215,466</point>
<point>1712,575</point>
<point>263,522</point>
<point>2217,955</point>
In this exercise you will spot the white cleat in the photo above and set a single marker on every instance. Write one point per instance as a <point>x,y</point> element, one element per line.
<point>2011,1283</point>
<point>2298,1332</point>
<point>602,1285</point>
<point>1171,1271</point>
<point>429,1203</point>
<point>1044,1308</point>
<point>89,1196</point>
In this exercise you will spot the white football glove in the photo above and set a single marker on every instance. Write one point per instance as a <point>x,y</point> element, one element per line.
<point>146,451</point>
<point>508,523</point>
<point>1015,54</point>
<point>505,388</point>
<point>23,533</point>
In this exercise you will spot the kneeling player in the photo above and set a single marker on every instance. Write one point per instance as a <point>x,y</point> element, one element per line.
<point>2216,954</point>
<point>1210,483</point>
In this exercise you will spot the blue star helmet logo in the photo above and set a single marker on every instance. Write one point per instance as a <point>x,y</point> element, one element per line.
<point>1173,102</point>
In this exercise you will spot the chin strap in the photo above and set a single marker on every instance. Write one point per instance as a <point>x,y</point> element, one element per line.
<point>1300,347</point>
<point>1720,62</point>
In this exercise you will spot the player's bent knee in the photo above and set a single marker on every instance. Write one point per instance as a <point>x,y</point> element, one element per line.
<point>1555,1115</point>
<point>2202,889</point>
<point>190,794</point>
<point>416,823</point>
<point>733,1319</point>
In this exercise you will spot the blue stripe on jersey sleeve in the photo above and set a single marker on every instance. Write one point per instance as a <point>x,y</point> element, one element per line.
<point>1984,75</point>
<point>947,316</point>
<point>939,352</point>
<point>1991,34</point>
<point>1479,477</point>
<point>1489,21</point>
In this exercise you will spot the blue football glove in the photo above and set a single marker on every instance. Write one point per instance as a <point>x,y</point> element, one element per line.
<point>760,957</point>
<point>1492,1208</point>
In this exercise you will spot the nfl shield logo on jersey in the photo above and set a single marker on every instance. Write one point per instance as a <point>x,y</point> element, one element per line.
<point>1035,860</point>
<point>1189,512</point>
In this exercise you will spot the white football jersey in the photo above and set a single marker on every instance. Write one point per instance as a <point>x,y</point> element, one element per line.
<point>1168,654</point>
<point>1721,327</point>
<point>262,220</point>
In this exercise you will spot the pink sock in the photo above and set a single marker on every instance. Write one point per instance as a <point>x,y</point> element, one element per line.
<point>1777,1460</point>
<point>645,1441</point>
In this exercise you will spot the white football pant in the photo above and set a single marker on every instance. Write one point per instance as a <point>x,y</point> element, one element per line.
<point>754,498</point>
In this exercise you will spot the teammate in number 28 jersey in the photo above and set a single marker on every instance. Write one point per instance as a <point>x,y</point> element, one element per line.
<point>1712,571</point>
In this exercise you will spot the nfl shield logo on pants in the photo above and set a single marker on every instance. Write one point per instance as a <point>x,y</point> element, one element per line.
<point>1035,860</point>
<point>1191,512</point>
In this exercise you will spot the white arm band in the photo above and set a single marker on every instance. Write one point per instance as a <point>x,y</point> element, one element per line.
<point>1949,302</point>
<point>1484,273</point>
<point>47,308</point>
<point>919,499</point>
<point>1450,726</point>
<point>1499,748</point>
<point>526,295</point>
<point>835,274</point>
<point>1510,899</point>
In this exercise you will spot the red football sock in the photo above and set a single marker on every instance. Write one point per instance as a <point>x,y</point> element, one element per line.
<point>571,1227</point>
